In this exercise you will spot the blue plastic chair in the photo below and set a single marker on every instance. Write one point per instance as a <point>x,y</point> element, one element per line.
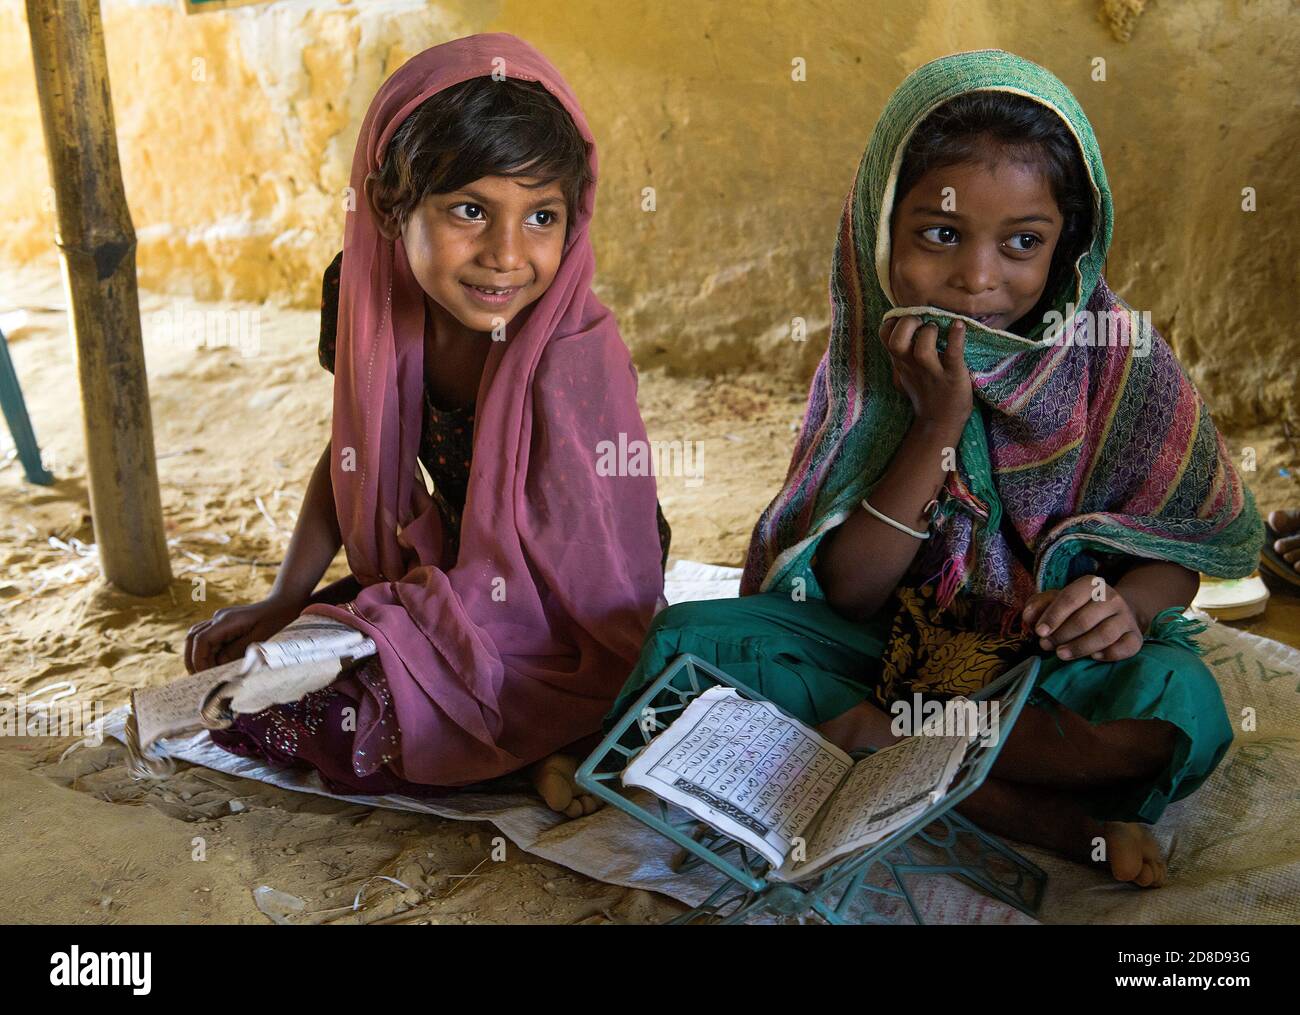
<point>20,424</point>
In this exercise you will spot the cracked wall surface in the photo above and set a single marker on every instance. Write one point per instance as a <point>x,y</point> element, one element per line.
<point>236,131</point>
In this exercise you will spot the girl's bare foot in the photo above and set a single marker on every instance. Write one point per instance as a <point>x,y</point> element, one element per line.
<point>1133,854</point>
<point>1287,525</point>
<point>555,780</point>
<point>1055,820</point>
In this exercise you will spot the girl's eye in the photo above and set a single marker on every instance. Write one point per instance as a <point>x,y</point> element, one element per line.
<point>947,235</point>
<point>547,218</point>
<point>1031,240</point>
<point>470,212</point>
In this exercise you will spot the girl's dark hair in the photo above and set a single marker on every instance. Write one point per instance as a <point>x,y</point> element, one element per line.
<point>989,126</point>
<point>481,127</point>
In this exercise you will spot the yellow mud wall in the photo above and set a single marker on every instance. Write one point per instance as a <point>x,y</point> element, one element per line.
<point>236,131</point>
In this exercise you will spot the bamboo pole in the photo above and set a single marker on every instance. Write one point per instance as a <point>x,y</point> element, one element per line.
<point>96,242</point>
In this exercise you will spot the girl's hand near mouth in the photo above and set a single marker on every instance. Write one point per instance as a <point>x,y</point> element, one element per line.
<point>938,386</point>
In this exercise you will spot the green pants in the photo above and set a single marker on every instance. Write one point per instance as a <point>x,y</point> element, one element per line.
<point>814,664</point>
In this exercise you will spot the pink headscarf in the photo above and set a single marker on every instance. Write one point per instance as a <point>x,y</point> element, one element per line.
<point>521,646</point>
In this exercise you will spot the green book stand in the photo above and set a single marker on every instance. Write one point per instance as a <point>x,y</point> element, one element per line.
<point>867,887</point>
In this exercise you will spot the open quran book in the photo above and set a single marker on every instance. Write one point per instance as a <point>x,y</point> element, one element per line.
<point>768,781</point>
<point>306,655</point>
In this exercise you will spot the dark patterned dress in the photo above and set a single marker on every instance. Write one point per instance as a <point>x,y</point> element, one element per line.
<point>318,730</point>
<point>950,650</point>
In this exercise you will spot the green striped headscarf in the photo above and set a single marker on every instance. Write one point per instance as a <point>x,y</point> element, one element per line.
<point>1086,438</point>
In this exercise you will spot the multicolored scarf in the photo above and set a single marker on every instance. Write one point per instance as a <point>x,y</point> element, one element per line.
<point>1086,440</point>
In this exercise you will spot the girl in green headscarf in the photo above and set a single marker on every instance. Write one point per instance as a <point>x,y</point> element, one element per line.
<point>998,458</point>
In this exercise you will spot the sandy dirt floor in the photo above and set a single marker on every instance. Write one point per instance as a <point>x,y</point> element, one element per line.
<point>81,841</point>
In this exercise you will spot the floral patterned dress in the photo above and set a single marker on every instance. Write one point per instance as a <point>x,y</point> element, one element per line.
<point>319,729</point>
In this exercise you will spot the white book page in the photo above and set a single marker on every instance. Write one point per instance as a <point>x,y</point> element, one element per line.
<point>175,707</point>
<point>884,792</point>
<point>303,656</point>
<point>307,639</point>
<point>744,768</point>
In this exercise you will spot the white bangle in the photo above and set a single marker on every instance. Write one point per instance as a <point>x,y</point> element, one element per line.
<point>889,521</point>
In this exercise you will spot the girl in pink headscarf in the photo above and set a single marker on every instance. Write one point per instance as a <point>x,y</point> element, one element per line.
<point>508,605</point>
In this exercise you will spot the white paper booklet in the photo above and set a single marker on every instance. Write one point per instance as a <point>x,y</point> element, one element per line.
<point>768,781</point>
<point>304,656</point>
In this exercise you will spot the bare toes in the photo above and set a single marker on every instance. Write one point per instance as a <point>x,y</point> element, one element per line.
<point>553,788</point>
<point>1126,868</point>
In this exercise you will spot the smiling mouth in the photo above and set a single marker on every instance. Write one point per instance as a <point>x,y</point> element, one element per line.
<point>494,298</point>
<point>493,290</point>
<point>984,319</point>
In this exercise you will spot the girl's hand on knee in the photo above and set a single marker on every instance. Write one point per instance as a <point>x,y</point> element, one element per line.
<point>1086,618</point>
<point>231,630</point>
